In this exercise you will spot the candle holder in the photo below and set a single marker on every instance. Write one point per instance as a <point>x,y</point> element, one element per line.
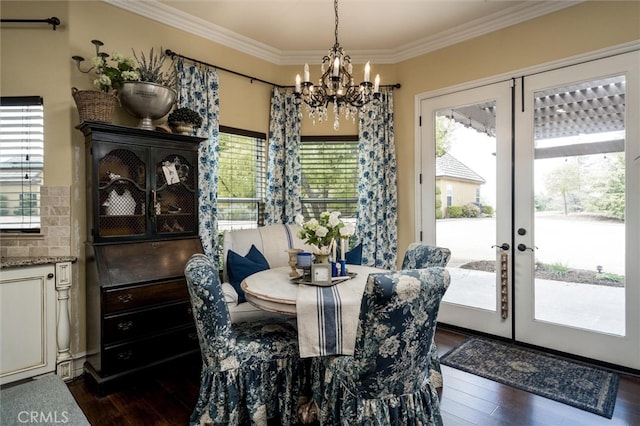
<point>343,268</point>
<point>334,269</point>
<point>293,261</point>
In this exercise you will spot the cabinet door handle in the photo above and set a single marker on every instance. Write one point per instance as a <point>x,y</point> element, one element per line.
<point>125,298</point>
<point>125,325</point>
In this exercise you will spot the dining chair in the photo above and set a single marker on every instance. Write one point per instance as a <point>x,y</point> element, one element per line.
<point>251,371</point>
<point>421,255</point>
<point>386,381</point>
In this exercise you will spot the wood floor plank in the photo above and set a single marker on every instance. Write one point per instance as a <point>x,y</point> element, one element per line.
<point>167,397</point>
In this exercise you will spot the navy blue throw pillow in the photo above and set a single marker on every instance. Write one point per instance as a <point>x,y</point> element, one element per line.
<point>240,267</point>
<point>354,256</point>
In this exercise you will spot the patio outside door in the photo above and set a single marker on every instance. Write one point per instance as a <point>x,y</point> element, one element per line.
<point>536,191</point>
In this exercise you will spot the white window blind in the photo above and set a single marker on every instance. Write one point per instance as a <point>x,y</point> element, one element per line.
<point>241,179</point>
<point>21,162</point>
<point>329,175</point>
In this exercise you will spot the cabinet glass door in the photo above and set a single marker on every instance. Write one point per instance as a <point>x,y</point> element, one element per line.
<point>122,192</point>
<point>174,196</point>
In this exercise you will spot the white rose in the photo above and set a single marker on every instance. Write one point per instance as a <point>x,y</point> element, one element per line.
<point>334,220</point>
<point>321,231</point>
<point>347,231</point>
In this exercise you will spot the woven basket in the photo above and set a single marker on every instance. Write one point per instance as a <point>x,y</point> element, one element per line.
<point>94,105</point>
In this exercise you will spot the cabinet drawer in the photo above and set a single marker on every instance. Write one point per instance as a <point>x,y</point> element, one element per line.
<point>126,326</point>
<point>145,296</point>
<point>123,357</point>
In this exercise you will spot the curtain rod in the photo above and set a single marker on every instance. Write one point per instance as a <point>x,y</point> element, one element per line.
<point>53,21</point>
<point>173,55</point>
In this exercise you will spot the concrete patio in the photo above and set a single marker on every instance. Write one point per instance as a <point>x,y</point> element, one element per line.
<point>593,307</point>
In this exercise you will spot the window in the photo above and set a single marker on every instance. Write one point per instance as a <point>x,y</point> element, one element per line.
<point>242,177</point>
<point>329,175</point>
<point>21,162</point>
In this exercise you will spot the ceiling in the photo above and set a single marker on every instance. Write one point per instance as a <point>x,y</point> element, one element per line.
<point>288,32</point>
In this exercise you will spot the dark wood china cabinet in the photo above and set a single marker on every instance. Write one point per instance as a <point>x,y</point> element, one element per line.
<point>142,221</point>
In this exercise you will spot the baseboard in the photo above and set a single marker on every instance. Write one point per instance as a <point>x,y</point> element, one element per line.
<point>69,369</point>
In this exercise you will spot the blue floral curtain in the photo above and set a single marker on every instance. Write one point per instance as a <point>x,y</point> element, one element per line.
<point>377,185</point>
<point>198,90</point>
<point>282,200</point>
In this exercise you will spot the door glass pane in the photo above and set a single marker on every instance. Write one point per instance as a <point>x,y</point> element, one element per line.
<point>466,188</point>
<point>579,223</point>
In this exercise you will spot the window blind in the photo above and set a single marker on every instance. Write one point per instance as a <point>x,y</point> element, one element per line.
<point>329,175</point>
<point>21,162</point>
<point>241,179</point>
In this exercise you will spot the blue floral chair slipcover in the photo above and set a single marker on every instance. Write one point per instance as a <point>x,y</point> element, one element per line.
<point>251,371</point>
<point>419,255</point>
<point>386,381</point>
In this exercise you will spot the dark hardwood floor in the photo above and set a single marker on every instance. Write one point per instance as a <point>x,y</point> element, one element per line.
<point>167,398</point>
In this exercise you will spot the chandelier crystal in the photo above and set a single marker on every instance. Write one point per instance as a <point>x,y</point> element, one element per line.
<point>336,86</point>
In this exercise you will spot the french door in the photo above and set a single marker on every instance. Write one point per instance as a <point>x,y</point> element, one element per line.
<point>577,210</point>
<point>536,188</point>
<point>466,140</point>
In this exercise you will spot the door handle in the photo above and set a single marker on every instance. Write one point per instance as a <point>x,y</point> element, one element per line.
<point>523,247</point>
<point>503,246</point>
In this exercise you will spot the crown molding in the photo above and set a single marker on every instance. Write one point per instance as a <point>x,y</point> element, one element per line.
<point>175,18</point>
<point>167,15</point>
<point>509,16</point>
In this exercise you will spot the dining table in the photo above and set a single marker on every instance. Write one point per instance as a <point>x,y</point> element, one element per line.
<point>326,315</point>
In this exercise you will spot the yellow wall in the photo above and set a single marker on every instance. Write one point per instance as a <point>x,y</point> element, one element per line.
<point>462,193</point>
<point>36,61</point>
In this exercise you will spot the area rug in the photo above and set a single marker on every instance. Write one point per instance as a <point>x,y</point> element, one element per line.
<point>45,400</point>
<point>570,382</point>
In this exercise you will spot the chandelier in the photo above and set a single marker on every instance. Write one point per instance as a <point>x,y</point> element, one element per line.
<point>336,86</point>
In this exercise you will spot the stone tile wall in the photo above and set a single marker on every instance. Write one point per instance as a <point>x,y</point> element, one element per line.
<point>55,231</point>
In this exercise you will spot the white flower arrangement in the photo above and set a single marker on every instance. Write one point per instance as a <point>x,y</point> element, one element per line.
<point>322,233</point>
<point>115,69</point>
<point>111,76</point>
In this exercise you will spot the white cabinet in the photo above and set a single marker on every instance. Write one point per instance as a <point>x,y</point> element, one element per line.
<point>27,322</point>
